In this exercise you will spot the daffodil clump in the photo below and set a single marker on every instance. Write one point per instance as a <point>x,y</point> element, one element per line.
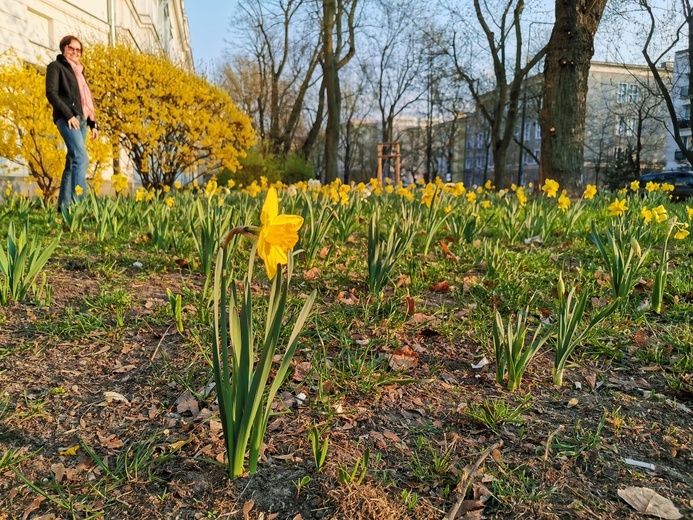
<point>242,372</point>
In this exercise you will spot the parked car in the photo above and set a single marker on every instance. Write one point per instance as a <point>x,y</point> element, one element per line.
<point>682,181</point>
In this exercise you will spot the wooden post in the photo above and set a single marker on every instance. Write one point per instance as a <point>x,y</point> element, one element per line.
<point>389,151</point>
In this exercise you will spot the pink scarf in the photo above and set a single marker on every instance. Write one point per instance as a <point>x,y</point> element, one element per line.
<point>84,92</point>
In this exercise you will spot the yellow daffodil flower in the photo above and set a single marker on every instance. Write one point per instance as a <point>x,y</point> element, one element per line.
<point>617,207</point>
<point>659,213</point>
<point>590,192</point>
<point>563,202</point>
<point>689,212</point>
<point>646,214</point>
<point>486,204</point>
<point>652,186</point>
<point>278,234</point>
<point>681,234</point>
<point>635,185</point>
<point>521,197</point>
<point>489,185</point>
<point>177,185</point>
<point>550,188</point>
<point>169,201</point>
<point>666,187</point>
<point>471,197</point>
<point>79,190</point>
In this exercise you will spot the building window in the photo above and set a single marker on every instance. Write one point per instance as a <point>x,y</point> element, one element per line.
<point>468,164</point>
<point>622,92</point>
<point>480,141</point>
<point>633,94</point>
<point>686,111</point>
<point>684,92</point>
<point>618,153</point>
<point>469,144</point>
<point>527,129</point>
<point>478,162</point>
<point>537,132</point>
<point>626,127</point>
<point>537,153</point>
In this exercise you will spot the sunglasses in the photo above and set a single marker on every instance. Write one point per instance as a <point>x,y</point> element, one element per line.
<point>76,49</point>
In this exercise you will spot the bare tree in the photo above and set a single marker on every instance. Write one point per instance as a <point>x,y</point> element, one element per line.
<point>566,71</point>
<point>662,85</point>
<point>499,110</point>
<point>285,57</point>
<point>338,28</point>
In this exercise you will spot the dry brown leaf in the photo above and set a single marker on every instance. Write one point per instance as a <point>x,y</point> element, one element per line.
<point>115,396</point>
<point>591,380</point>
<point>301,371</point>
<point>324,252</point>
<point>403,358</point>
<point>452,256</point>
<point>109,441</point>
<point>649,502</point>
<point>392,436</point>
<point>573,402</point>
<point>59,472</point>
<point>403,279</point>
<point>312,274</point>
<point>443,286</point>
<point>33,507</point>
<point>246,509</point>
<point>409,301</point>
<point>347,298</point>
<point>187,403</point>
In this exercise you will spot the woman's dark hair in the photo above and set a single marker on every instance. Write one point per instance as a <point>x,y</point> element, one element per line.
<point>67,40</point>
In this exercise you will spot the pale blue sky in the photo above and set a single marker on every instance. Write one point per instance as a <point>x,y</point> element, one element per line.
<point>208,21</point>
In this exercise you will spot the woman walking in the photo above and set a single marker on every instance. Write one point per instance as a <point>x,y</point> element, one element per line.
<point>73,111</point>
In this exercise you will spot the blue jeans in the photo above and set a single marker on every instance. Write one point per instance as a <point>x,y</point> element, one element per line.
<point>76,162</point>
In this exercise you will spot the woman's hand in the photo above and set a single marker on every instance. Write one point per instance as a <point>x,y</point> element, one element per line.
<point>73,122</point>
<point>94,133</point>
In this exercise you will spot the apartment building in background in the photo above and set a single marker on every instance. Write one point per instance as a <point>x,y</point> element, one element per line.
<point>626,120</point>
<point>681,98</point>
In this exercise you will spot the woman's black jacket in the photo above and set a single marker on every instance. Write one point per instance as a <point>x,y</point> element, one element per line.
<point>62,91</point>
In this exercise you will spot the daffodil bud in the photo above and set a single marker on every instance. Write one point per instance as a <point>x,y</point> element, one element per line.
<point>635,246</point>
<point>560,287</point>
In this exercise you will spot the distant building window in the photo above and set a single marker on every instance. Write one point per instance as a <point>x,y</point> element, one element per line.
<point>684,92</point>
<point>633,94</point>
<point>480,141</point>
<point>469,144</point>
<point>622,92</point>
<point>537,153</point>
<point>537,132</point>
<point>686,111</point>
<point>618,153</point>
<point>626,127</point>
<point>478,162</point>
<point>527,130</point>
<point>468,164</point>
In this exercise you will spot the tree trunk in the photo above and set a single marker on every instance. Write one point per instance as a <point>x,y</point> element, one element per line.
<point>332,91</point>
<point>566,72</point>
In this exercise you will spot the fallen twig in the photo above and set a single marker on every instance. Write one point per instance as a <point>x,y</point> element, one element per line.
<point>467,480</point>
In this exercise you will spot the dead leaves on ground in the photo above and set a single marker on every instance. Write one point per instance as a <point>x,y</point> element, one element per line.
<point>649,502</point>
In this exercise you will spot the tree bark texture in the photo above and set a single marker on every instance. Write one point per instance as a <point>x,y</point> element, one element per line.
<point>332,90</point>
<point>566,70</point>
